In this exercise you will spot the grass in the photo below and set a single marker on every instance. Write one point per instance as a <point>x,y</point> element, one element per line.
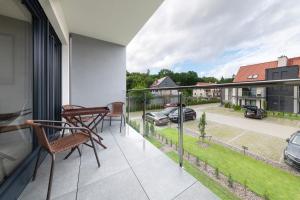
<point>265,145</point>
<point>261,177</point>
<point>219,131</point>
<point>154,142</point>
<point>215,187</point>
<point>261,144</point>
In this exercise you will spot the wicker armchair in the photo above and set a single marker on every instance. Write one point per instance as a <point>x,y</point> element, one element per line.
<point>116,110</point>
<point>78,136</point>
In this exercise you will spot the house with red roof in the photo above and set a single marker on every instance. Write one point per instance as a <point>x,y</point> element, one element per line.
<point>206,92</point>
<point>277,98</point>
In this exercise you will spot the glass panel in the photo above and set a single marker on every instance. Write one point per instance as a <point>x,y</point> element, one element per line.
<point>15,85</point>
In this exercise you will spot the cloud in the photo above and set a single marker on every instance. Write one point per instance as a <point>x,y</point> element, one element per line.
<point>222,34</point>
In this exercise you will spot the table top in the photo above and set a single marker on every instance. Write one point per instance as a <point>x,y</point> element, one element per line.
<point>84,111</point>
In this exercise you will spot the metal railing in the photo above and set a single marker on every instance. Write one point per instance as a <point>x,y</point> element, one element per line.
<point>139,105</point>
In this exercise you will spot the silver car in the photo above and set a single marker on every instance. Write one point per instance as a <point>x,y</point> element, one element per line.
<point>157,118</point>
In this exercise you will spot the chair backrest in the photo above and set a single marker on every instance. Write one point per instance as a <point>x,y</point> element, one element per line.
<point>117,107</point>
<point>40,133</point>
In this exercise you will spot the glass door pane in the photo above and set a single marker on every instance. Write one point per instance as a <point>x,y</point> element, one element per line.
<point>15,85</point>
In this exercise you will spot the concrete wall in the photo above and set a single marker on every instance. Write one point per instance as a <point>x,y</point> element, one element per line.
<point>98,72</point>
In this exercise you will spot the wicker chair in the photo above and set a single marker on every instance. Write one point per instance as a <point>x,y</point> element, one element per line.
<point>78,136</point>
<point>116,110</point>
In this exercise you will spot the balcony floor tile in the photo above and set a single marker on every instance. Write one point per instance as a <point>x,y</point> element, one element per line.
<point>131,168</point>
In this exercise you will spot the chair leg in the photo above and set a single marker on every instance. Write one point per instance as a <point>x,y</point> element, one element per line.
<point>96,127</point>
<point>68,155</point>
<point>51,177</point>
<point>109,121</point>
<point>102,125</point>
<point>36,164</point>
<point>121,123</point>
<point>78,150</point>
<point>96,155</point>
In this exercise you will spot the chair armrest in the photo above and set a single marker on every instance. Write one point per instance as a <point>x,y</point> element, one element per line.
<point>66,128</point>
<point>42,122</point>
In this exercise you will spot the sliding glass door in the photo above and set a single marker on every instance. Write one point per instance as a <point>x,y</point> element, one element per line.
<point>16,80</point>
<point>30,88</point>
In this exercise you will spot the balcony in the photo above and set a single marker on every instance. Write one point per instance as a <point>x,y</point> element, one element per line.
<point>131,168</point>
<point>249,94</point>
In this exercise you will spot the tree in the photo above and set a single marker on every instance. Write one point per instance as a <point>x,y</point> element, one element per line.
<point>202,125</point>
<point>137,97</point>
<point>165,72</point>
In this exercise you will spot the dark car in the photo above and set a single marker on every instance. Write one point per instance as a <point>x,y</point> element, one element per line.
<point>168,110</point>
<point>292,151</point>
<point>189,114</point>
<point>157,118</point>
<point>254,112</point>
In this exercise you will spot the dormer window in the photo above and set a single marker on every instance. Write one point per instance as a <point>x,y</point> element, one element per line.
<point>252,76</point>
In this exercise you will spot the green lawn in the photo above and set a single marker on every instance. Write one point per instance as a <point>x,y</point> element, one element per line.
<point>261,177</point>
<point>154,142</point>
<point>215,187</point>
<point>261,144</point>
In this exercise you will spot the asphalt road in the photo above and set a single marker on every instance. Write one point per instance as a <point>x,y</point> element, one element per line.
<point>259,126</point>
<point>255,125</point>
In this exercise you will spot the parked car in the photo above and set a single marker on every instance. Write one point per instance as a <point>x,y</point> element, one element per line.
<point>292,151</point>
<point>168,110</point>
<point>254,112</point>
<point>172,105</point>
<point>189,114</point>
<point>157,118</point>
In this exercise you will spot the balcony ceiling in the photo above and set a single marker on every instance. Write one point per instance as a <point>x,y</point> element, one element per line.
<point>115,21</point>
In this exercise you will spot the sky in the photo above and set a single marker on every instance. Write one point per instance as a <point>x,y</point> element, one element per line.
<point>215,37</point>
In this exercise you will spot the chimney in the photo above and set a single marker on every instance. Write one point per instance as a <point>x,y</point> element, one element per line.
<point>282,61</point>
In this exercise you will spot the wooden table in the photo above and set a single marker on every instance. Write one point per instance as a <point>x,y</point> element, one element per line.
<point>74,116</point>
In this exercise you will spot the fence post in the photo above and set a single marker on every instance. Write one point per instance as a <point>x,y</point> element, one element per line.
<point>180,136</point>
<point>144,115</point>
<point>128,107</point>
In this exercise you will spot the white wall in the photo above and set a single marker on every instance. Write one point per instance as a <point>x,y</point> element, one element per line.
<point>296,98</point>
<point>98,72</point>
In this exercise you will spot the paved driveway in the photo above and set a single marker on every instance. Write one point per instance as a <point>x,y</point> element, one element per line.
<point>259,126</point>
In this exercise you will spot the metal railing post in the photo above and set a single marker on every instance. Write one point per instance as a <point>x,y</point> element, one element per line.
<point>128,106</point>
<point>180,135</point>
<point>144,115</point>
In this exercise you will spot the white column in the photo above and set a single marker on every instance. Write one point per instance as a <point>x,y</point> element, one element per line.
<point>234,96</point>
<point>226,94</point>
<point>65,75</point>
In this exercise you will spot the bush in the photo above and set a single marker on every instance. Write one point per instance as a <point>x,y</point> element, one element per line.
<point>147,128</point>
<point>135,125</point>
<point>230,181</point>
<point>237,107</point>
<point>152,128</point>
<point>198,101</point>
<point>227,105</point>
<point>217,172</point>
